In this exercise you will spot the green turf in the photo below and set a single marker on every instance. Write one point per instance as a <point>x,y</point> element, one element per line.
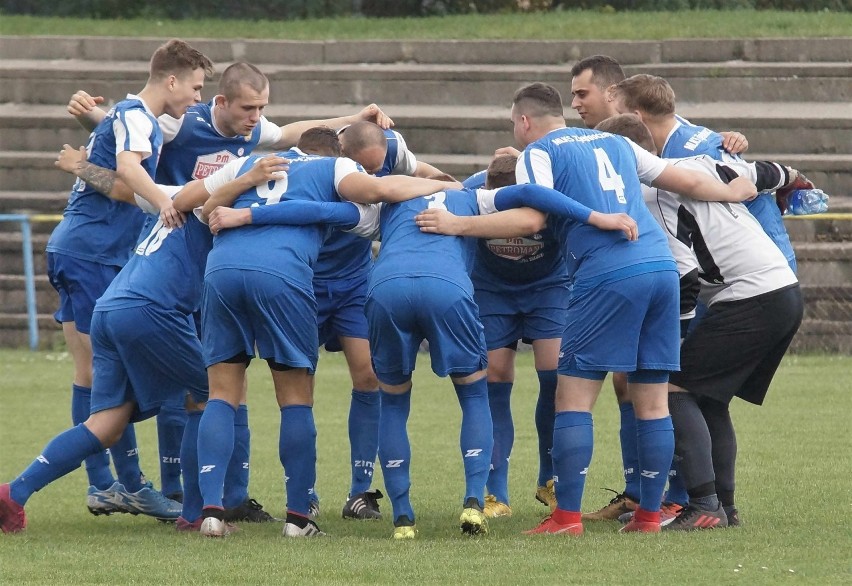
<point>794,496</point>
<point>589,24</point>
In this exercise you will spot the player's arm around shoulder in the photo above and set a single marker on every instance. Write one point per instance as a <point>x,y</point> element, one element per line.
<point>702,186</point>
<point>355,185</point>
<point>227,184</point>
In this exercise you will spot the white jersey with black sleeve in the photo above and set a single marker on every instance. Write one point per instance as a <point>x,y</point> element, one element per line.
<point>736,258</point>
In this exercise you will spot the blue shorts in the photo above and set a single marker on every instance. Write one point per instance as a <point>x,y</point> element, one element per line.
<point>243,308</point>
<point>79,283</point>
<point>146,354</point>
<point>522,313</point>
<point>340,311</point>
<point>623,326</point>
<point>403,312</point>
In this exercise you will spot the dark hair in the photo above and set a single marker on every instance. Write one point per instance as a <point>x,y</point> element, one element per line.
<point>239,74</point>
<point>178,58</point>
<point>319,140</point>
<point>605,70</point>
<point>629,126</point>
<point>501,172</point>
<point>538,99</point>
<point>651,94</point>
<point>362,135</point>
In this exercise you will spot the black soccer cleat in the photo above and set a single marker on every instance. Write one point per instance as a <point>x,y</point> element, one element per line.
<point>249,511</point>
<point>363,506</point>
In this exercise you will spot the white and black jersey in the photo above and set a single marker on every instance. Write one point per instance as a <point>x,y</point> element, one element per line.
<point>736,260</point>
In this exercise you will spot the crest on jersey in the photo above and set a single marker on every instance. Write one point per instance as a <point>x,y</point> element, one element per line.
<point>515,248</point>
<point>206,165</point>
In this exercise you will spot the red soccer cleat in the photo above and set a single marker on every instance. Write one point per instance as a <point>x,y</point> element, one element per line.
<point>12,516</point>
<point>643,522</point>
<point>560,522</point>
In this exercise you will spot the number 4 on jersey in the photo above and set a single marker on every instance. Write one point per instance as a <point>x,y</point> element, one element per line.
<point>608,178</point>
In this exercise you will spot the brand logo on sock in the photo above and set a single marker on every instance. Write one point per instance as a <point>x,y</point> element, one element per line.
<point>672,473</point>
<point>208,468</point>
<point>629,471</point>
<point>363,464</point>
<point>42,459</point>
<point>170,460</point>
<point>473,453</point>
<point>394,463</point>
<point>585,470</point>
<point>133,452</point>
<point>555,479</point>
<point>650,473</point>
<point>245,465</point>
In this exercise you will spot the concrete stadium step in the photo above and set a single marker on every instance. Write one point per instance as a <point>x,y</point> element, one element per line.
<point>785,127</point>
<point>14,332</point>
<point>446,51</point>
<point>33,81</point>
<point>827,264</point>
<point>11,258</point>
<point>13,298</point>
<point>828,303</point>
<point>823,337</point>
<point>33,202</point>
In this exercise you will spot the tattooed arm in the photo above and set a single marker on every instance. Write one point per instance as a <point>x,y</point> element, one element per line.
<point>102,180</point>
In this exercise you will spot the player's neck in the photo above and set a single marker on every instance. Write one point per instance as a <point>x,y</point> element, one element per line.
<point>660,130</point>
<point>154,98</point>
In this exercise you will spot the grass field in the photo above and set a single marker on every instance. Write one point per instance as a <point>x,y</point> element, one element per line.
<point>794,496</point>
<point>579,24</point>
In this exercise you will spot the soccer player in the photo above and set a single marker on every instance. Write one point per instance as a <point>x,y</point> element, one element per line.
<point>340,287</point>
<point>754,310</point>
<point>521,288</point>
<point>653,100</point>
<point>147,308</point>
<point>196,145</point>
<point>258,292</point>
<point>96,235</point>
<point>591,83</point>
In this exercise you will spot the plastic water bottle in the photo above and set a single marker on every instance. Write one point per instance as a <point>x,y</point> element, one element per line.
<point>804,202</point>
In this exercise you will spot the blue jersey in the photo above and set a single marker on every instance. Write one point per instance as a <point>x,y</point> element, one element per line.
<point>167,268</point>
<point>94,227</point>
<point>198,149</point>
<point>601,171</point>
<point>476,181</point>
<point>285,251</point>
<point>687,140</point>
<point>408,252</point>
<point>344,255</point>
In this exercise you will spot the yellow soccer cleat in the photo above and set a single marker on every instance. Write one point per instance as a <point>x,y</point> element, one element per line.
<point>473,521</point>
<point>405,532</point>
<point>494,508</point>
<point>546,495</point>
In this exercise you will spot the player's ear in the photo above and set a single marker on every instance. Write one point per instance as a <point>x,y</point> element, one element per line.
<point>220,100</point>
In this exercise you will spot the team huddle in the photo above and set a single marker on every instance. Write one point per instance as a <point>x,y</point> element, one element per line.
<point>182,256</point>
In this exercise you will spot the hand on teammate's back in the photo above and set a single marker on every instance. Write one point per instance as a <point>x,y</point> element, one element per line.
<point>268,168</point>
<point>622,222</point>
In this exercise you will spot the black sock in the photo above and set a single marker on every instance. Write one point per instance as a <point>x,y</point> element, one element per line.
<point>692,442</point>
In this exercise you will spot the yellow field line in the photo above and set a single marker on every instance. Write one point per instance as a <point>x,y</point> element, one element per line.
<point>827,216</point>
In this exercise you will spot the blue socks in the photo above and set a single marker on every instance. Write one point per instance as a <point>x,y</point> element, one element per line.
<point>573,439</point>
<point>297,449</point>
<point>656,448</point>
<point>677,488</point>
<point>237,475</point>
<point>545,412</point>
<point>97,465</point>
<point>477,437</point>
<point>395,451</point>
<point>364,411</point>
<point>499,400</point>
<point>61,455</point>
<point>125,456</point>
<point>629,450</point>
<point>215,446</point>
<point>192,502</point>
<point>170,429</point>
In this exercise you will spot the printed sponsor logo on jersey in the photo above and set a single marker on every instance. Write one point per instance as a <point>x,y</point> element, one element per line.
<point>473,453</point>
<point>697,139</point>
<point>514,248</point>
<point>206,165</point>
